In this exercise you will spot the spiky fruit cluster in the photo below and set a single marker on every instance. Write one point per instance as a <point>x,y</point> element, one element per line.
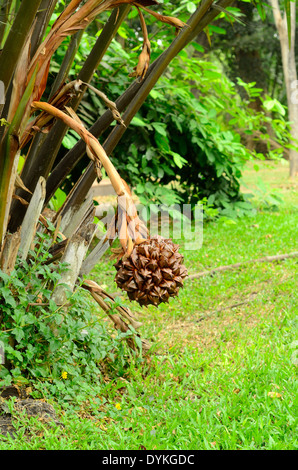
<point>153,272</point>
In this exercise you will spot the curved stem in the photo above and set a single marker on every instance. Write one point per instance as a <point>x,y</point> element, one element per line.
<point>93,144</point>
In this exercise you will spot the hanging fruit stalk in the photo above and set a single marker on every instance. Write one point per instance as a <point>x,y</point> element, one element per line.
<point>149,269</point>
<point>130,228</point>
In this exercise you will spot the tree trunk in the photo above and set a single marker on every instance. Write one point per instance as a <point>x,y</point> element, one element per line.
<point>290,74</point>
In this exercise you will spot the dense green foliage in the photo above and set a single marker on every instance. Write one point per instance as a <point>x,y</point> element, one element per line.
<point>49,343</point>
<point>193,153</point>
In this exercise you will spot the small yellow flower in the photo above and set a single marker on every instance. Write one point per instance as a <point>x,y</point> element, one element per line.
<point>64,375</point>
<point>118,406</point>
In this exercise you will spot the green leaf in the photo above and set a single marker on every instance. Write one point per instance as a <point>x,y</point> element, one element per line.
<point>216,29</point>
<point>261,9</point>
<point>155,94</point>
<point>58,199</point>
<point>4,276</point>
<point>18,333</point>
<point>160,172</point>
<point>191,7</point>
<point>136,121</point>
<point>274,105</point>
<point>69,141</point>
<point>140,188</point>
<point>160,128</point>
<point>198,47</point>
<point>52,305</point>
<point>122,32</point>
<point>279,107</point>
<point>21,163</point>
<point>6,293</point>
<point>162,141</point>
<point>269,104</point>
<point>178,160</point>
<point>213,75</point>
<point>3,122</point>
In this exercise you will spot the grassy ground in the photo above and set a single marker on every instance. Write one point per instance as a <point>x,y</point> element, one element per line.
<point>223,371</point>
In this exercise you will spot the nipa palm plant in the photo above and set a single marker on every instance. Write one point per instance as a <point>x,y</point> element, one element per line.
<point>149,269</point>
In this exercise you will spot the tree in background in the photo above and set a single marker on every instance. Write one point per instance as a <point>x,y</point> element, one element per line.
<point>251,49</point>
<point>286,27</point>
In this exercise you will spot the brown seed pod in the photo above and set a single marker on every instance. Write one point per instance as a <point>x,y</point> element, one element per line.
<point>153,272</point>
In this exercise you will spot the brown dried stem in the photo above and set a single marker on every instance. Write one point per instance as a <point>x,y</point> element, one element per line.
<point>126,207</point>
<point>124,322</point>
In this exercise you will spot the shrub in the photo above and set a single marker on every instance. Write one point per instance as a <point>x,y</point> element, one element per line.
<point>61,348</point>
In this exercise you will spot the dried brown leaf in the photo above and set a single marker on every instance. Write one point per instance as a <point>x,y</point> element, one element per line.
<point>171,20</point>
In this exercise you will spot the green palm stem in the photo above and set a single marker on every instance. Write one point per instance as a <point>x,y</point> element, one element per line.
<point>9,153</point>
<point>13,48</point>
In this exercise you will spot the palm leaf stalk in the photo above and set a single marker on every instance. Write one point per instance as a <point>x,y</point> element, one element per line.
<point>8,162</point>
<point>13,49</point>
<point>43,16</point>
<point>71,20</point>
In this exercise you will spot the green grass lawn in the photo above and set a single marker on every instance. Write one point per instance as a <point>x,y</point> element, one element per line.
<point>222,373</point>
